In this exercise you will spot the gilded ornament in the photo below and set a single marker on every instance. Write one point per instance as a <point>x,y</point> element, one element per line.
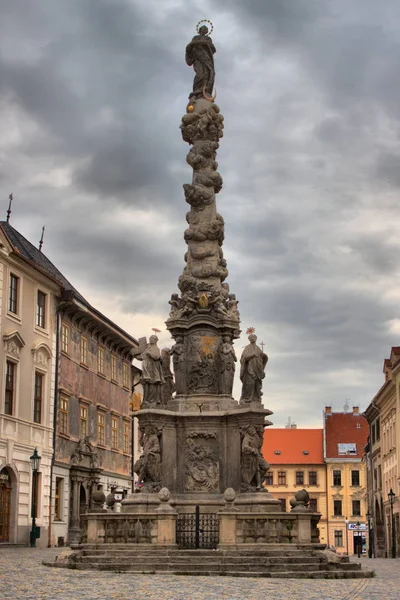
<point>203,300</point>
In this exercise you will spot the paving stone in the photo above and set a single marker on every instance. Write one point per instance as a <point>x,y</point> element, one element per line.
<point>24,577</point>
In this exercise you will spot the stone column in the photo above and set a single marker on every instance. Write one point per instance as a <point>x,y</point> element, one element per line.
<point>227,528</point>
<point>74,531</point>
<point>166,520</point>
<point>304,528</point>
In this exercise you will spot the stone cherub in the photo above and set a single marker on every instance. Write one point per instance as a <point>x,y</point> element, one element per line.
<point>200,55</point>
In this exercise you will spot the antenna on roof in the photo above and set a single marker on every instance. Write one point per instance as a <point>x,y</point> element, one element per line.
<point>10,197</point>
<point>346,406</point>
<point>41,239</point>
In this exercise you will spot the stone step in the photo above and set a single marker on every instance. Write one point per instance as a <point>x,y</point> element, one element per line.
<point>217,568</point>
<point>129,551</point>
<point>193,563</point>
<point>338,574</point>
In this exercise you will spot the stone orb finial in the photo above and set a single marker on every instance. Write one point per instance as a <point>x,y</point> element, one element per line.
<point>164,495</point>
<point>302,496</point>
<point>99,497</point>
<point>229,495</point>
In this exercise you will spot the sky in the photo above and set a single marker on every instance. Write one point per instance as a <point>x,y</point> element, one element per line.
<point>91,97</point>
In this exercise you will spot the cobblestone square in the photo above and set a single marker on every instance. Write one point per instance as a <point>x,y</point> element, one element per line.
<point>22,576</point>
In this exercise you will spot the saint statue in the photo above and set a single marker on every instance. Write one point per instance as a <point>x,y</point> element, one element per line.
<point>178,359</point>
<point>227,365</point>
<point>152,375</point>
<point>251,444</point>
<point>253,362</point>
<point>169,386</point>
<point>148,466</point>
<point>199,54</point>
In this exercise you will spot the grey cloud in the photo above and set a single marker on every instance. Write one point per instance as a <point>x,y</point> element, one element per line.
<point>309,91</point>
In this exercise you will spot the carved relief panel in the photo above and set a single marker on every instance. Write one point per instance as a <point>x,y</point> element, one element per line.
<point>203,362</point>
<point>201,462</point>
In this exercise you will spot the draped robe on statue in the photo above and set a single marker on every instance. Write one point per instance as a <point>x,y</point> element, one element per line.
<point>253,362</point>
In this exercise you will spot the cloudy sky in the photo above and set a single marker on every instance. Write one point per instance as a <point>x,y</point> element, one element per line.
<point>91,97</point>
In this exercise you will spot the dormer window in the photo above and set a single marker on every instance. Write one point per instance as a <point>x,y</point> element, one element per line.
<point>347,449</point>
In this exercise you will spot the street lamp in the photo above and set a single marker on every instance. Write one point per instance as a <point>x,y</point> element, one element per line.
<point>358,539</point>
<point>392,496</point>
<point>347,537</point>
<point>368,515</point>
<point>35,464</point>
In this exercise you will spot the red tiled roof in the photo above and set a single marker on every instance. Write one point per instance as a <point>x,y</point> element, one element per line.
<point>341,428</point>
<point>396,349</point>
<point>292,443</point>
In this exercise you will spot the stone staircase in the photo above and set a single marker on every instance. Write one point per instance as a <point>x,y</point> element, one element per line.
<point>269,561</point>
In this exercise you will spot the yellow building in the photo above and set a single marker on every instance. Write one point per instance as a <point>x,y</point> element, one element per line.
<point>297,461</point>
<point>345,437</point>
<point>384,459</point>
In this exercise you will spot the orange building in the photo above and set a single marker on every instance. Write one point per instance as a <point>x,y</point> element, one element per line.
<point>296,459</point>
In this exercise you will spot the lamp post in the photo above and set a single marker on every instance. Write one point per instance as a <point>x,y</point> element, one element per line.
<point>35,464</point>
<point>347,537</point>
<point>392,496</point>
<point>368,515</point>
<point>358,540</point>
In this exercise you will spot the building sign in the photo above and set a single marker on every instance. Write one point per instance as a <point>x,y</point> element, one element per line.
<point>359,527</point>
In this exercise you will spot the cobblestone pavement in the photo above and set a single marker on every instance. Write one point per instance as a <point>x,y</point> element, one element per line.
<point>22,576</point>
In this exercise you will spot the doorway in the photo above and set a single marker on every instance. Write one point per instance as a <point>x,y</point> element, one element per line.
<point>5,505</point>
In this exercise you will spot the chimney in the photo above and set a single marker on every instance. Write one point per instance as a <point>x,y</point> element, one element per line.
<point>328,410</point>
<point>356,410</point>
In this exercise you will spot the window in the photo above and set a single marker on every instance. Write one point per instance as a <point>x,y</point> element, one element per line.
<point>283,503</point>
<point>58,498</point>
<point>378,429</point>
<point>373,435</point>
<point>339,538</point>
<point>38,398</point>
<point>356,507</point>
<point>13,297</point>
<point>126,375</point>
<point>11,369</point>
<point>269,478</point>
<point>101,429</point>
<point>65,338</point>
<point>299,477</point>
<point>375,479</point>
<point>337,477</point>
<point>355,478</point>
<point>312,477</point>
<point>114,368</point>
<point>281,477</point>
<point>100,361</point>
<point>126,437</point>
<point>83,427</point>
<point>64,415</point>
<point>380,477</point>
<point>114,432</point>
<point>41,310</point>
<point>337,508</point>
<point>84,350</point>
<point>314,504</point>
<point>347,449</point>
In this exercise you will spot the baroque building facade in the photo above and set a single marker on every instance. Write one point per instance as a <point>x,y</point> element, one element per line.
<point>66,384</point>
<point>93,441</point>
<point>296,460</point>
<point>383,458</point>
<point>345,437</point>
<point>28,299</point>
